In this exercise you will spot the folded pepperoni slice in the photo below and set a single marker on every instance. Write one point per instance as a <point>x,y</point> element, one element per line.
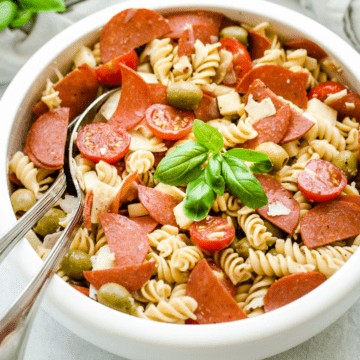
<point>348,105</point>
<point>354,199</point>
<point>298,126</point>
<point>45,142</point>
<point>258,44</point>
<point>127,240</point>
<point>290,288</point>
<point>313,50</point>
<point>329,222</point>
<point>215,304</point>
<point>207,108</point>
<point>82,289</point>
<point>283,82</point>
<point>179,21</point>
<point>134,100</point>
<point>147,223</point>
<point>206,33</point>
<point>87,209</point>
<point>270,129</point>
<point>224,280</point>
<point>276,194</point>
<point>159,205</point>
<point>131,277</point>
<point>158,94</point>
<point>77,90</point>
<point>110,73</point>
<point>130,29</point>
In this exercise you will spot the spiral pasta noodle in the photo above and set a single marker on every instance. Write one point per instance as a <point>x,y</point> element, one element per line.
<point>153,291</point>
<point>186,258</point>
<point>107,174</point>
<point>140,160</point>
<point>84,241</point>
<point>227,203</point>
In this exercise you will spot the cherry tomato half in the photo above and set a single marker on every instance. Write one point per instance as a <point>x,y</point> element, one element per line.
<point>321,180</point>
<point>223,279</point>
<point>110,73</point>
<point>99,141</point>
<point>169,123</point>
<point>241,63</point>
<point>212,233</point>
<point>321,91</point>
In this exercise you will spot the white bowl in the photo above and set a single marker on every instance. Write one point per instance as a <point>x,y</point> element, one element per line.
<point>132,337</point>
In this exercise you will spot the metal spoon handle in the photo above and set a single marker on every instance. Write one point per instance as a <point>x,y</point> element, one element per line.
<point>12,236</point>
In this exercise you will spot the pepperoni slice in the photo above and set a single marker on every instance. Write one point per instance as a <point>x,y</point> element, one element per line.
<point>130,29</point>
<point>87,209</point>
<point>77,90</point>
<point>45,142</point>
<point>147,223</point>
<point>127,192</point>
<point>283,82</point>
<point>298,126</point>
<point>131,108</point>
<point>14,179</point>
<point>321,180</point>
<point>110,73</point>
<point>126,239</point>
<point>224,280</point>
<point>207,108</point>
<point>215,304</point>
<point>258,44</point>
<point>270,129</point>
<point>159,205</point>
<point>277,193</point>
<point>158,94</point>
<point>290,288</point>
<point>354,199</point>
<point>132,277</point>
<point>212,233</point>
<point>82,289</point>
<point>329,222</point>
<point>169,123</point>
<point>206,33</point>
<point>313,50</point>
<point>100,141</point>
<point>348,105</point>
<point>322,90</point>
<point>179,21</point>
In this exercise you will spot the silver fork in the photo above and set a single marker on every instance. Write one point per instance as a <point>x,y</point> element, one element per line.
<point>16,321</point>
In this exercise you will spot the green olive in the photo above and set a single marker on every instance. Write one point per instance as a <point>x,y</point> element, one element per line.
<point>347,162</point>
<point>278,156</point>
<point>75,262</point>
<point>49,222</point>
<point>273,229</point>
<point>237,32</point>
<point>272,252</point>
<point>22,200</point>
<point>184,95</point>
<point>242,247</point>
<point>117,297</point>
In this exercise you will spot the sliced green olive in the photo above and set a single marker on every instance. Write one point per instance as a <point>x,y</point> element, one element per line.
<point>75,262</point>
<point>242,247</point>
<point>49,222</point>
<point>184,95</point>
<point>278,156</point>
<point>348,162</point>
<point>237,32</point>
<point>22,200</point>
<point>270,227</point>
<point>117,297</point>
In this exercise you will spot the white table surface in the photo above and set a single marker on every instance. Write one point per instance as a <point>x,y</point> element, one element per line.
<point>51,341</point>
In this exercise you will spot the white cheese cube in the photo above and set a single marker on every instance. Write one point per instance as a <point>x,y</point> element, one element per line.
<point>229,103</point>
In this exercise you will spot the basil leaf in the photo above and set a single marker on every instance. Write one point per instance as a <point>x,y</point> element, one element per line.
<point>208,136</point>
<point>21,18</point>
<point>213,176</point>
<point>198,200</point>
<point>43,5</point>
<point>261,162</point>
<point>242,183</point>
<point>182,165</point>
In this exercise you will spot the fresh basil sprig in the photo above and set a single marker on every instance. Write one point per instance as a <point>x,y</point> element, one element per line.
<point>186,164</point>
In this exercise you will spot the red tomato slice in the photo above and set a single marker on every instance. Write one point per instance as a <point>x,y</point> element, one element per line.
<point>99,141</point>
<point>321,91</point>
<point>321,180</point>
<point>212,233</point>
<point>169,123</point>
<point>241,63</point>
<point>110,73</point>
<point>223,279</point>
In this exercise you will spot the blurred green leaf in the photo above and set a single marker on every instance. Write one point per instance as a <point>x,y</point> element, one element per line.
<point>21,18</point>
<point>8,11</point>
<point>43,5</point>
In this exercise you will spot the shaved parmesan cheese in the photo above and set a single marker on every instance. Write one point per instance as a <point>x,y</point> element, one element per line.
<point>149,78</point>
<point>103,197</point>
<point>145,68</point>
<point>181,219</point>
<point>84,56</point>
<point>229,103</point>
<point>104,259</point>
<point>92,292</point>
<point>320,110</point>
<point>350,106</point>
<point>68,204</point>
<point>277,208</point>
<point>171,190</point>
<point>90,180</point>
<point>333,97</point>
<point>259,110</point>
<point>108,108</point>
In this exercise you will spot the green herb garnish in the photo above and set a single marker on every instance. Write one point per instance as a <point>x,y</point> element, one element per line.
<point>185,164</point>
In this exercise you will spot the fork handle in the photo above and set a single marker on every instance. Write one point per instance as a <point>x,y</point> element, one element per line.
<point>12,236</point>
